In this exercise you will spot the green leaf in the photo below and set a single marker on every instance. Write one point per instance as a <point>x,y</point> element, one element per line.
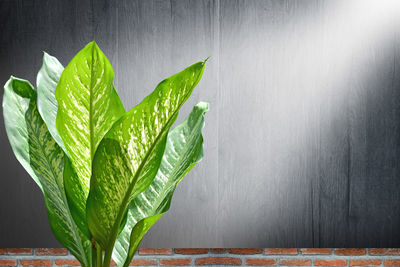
<point>46,81</point>
<point>183,151</point>
<point>129,156</point>
<point>140,230</point>
<point>16,99</point>
<point>76,196</point>
<point>43,159</point>
<point>88,105</point>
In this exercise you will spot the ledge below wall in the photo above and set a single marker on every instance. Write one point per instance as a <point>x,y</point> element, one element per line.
<point>217,256</point>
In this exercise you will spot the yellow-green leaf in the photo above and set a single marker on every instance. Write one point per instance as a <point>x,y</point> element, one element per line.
<point>88,105</point>
<point>129,156</point>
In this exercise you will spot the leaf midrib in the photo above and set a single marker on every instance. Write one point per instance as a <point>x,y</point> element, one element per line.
<point>91,130</point>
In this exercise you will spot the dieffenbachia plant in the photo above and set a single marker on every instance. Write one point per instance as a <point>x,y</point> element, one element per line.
<point>106,175</point>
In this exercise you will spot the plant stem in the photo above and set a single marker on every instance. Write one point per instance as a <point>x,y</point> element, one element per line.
<point>99,255</point>
<point>96,254</point>
<point>107,258</point>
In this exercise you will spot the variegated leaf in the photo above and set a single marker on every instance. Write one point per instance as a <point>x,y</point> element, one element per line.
<point>129,156</point>
<point>88,105</point>
<point>46,81</point>
<point>16,99</point>
<point>43,159</point>
<point>183,150</point>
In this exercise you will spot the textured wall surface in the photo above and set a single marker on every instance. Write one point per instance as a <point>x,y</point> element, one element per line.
<point>217,256</point>
<point>302,142</point>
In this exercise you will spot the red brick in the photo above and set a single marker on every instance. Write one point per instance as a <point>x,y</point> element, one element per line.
<point>394,263</point>
<point>384,251</point>
<point>218,250</point>
<point>191,251</point>
<point>8,262</point>
<point>245,250</point>
<point>260,262</point>
<point>310,251</point>
<point>175,262</point>
<point>281,251</point>
<point>323,262</point>
<point>218,261</point>
<point>19,251</point>
<point>295,262</point>
<point>155,251</point>
<point>350,251</point>
<point>143,262</point>
<point>365,262</point>
<point>67,262</point>
<point>3,251</point>
<point>36,262</point>
<point>51,251</point>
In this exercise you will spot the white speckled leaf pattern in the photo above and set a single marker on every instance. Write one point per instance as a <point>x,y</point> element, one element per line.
<point>129,156</point>
<point>183,150</point>
<point>43,159</point>
<point>88,105</point>
<point>46,82</point>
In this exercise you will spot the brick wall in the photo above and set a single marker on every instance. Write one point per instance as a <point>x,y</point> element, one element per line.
<point>217,256</point>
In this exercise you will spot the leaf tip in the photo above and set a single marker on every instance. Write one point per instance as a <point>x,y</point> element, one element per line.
<point>46,58</point>
<point>94,44</point>
<point>45,55</point>
<point>206,59</point>
<point>205,106</point>
<point>7,84</point>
